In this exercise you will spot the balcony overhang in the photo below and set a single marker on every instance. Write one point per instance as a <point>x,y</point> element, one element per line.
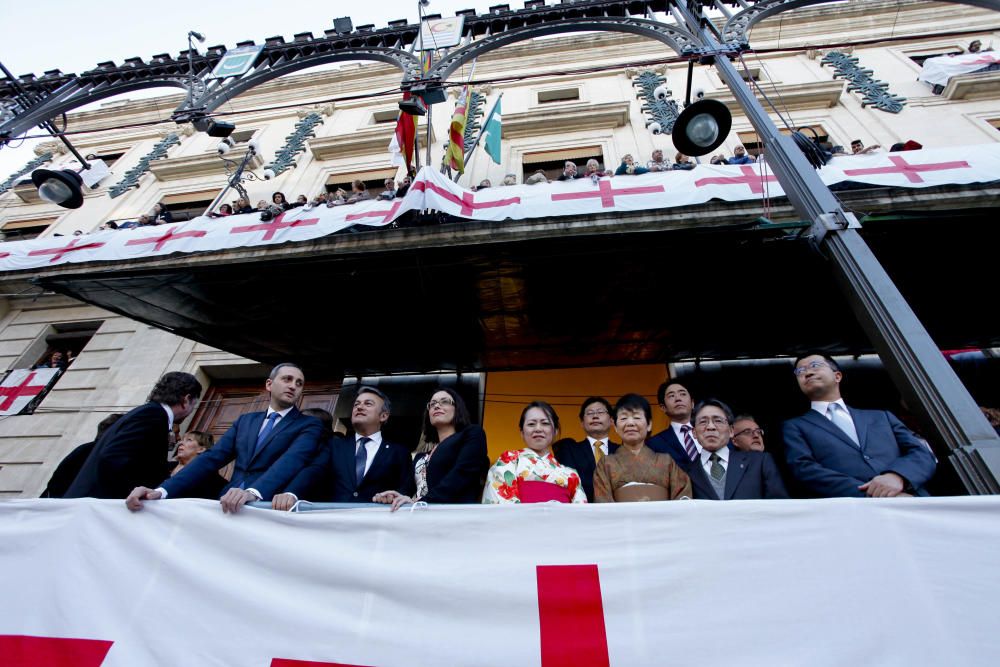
<point>795,96</point>
<point>703,281</point>
<point>197,166</point>
<point>974,86</point>
<point>562,118</point>
<point>365,142</point>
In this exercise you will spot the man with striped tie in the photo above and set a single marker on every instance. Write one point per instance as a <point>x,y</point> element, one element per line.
<point>678,439</point>
<point>269,449</point>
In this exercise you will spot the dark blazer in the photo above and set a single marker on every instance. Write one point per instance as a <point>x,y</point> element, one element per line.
<point>457,469</point>
<point>67,470</point>
<point>331,476</point>
<point>580,457</point>
<point>749,475</point>
<point>829,464</point>
<point>288,449</point>
<point>666,442</point>
<point>131,453</point>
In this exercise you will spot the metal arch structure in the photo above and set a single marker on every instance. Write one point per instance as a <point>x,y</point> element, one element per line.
<point>738,26</point>
<point>678,39</point>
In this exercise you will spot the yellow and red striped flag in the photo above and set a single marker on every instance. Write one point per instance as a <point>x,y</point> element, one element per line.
<point>454,157</point>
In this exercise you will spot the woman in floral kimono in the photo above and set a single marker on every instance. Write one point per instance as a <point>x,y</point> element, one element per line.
<point>532,474</point>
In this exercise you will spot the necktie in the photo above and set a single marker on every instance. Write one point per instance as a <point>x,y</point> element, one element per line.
<point>360,457</point>
<point>689,447</point>
<point>266,431</point>
<point>598,452</point>
<point>717,470</point>
<point>842,419</point>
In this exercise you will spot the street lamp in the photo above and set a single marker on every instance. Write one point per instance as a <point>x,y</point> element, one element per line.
<point>63,187</point>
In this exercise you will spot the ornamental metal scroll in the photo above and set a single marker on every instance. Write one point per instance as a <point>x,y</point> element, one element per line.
<point>661,111</point>
<point>132,176</point>
<point>859,79</point>
<point>296,143</point>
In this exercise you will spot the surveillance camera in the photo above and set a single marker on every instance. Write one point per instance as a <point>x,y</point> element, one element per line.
<point>223,148</point>
<point>661,92</point>
<point>655,128</point>
<point>268,174</point>
<point>699,93</point>
<point>254,145</point>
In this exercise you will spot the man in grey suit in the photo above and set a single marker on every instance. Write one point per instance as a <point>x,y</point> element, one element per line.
<point>835,450</point>
<point>723,472</point>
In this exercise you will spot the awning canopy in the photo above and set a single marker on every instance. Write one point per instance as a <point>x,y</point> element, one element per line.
<point>538,294</point>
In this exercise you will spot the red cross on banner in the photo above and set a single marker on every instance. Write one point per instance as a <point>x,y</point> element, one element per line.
<point>4,254</point>
<point>385,215</point>
<point>750,177</point>
<point>272,228</point>
<point>57,253</point>
<point>468,199</point>
<point>19,385</point>
<point>608,193</point>
<point>171,235</point>
<point>911,171</point>
<point>25,651</point>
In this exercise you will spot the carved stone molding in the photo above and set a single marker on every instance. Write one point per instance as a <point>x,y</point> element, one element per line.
<point>365,142</point>
<point>195,166</point>
<point>973,86</point>
<point>794,96</point>
<point>323,109</point>
<point>54,148</point>
<point>565,118</point>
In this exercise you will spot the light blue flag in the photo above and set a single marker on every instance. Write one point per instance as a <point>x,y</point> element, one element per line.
<point>492,132</point>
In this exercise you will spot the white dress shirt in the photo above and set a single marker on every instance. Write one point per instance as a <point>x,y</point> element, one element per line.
<point>707,464</point>
<point>603,443</point>
<point>680,436</point>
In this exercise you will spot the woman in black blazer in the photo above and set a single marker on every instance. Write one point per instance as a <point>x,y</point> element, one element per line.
<point>455,465</point>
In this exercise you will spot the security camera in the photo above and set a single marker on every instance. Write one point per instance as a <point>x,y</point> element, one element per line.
<point>661,92</point>
<point>655,128</point>
<point>269,174</point>
<point>254,145</point>
<point>224,146</point>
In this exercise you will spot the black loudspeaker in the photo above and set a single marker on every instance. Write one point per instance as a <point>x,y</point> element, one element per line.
<point>343,25</point>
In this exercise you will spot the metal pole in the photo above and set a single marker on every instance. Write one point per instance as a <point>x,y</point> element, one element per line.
<point>915,364</point>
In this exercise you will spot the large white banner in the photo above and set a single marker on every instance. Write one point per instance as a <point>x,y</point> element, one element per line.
<point>770,583</point>
<point>433,190</point>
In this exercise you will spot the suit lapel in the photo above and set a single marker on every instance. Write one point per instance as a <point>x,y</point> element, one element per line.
<point>734,473</point>
<point>250,438</point>
<point>700,481</point>
<point>380,461</point>
<point>860,425</point>
<point>822,422</point>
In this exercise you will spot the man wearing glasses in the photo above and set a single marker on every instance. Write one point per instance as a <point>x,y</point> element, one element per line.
<point>354,469</point>
<point>723,472</point>
<point>748,436</point>
<point>584,456</point>
<point>835,450</point>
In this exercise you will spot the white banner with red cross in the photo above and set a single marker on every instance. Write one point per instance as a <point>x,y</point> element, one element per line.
<point>434,191</point>
<point>784,582</point>
<point>22,386</point>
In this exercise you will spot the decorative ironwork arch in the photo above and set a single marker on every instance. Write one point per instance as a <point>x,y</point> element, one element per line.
<point>739,25</point>
<point>676,38</point>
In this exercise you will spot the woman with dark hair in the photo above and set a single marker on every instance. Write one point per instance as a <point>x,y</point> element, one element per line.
<point>635,472</point>
<point>532,474</point>
<point>160,215</point>
<point>452,469</point>
<point>243,206</point>
<point>278,199</point>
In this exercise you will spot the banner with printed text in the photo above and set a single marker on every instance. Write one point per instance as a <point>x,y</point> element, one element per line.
<point>787,582</point>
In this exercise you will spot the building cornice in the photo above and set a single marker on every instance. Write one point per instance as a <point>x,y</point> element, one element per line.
<point>564,118</point>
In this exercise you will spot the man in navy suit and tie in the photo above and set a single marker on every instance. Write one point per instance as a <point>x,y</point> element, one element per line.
<point>723,472</point>
<point>585,455</point>
<point>269,449</point>
<point>354,469</point>
<point>835,450</point>
<point>678,439</point>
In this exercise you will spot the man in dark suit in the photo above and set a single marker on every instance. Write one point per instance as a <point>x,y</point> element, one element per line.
<point>723,472</point>
<point>354,469</point>
<point>678,439</point>
<point>134,450</point>
<point>269,449</point>
<point>70,466</point>
<point>835,450</point>
<point>583,456</point>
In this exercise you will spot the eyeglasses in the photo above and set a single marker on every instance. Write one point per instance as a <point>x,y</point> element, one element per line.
<point>811,366</point>
<point>444,403</point>
<point>750,431</point>
<point>718,421</point>
<point>595,413</point>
